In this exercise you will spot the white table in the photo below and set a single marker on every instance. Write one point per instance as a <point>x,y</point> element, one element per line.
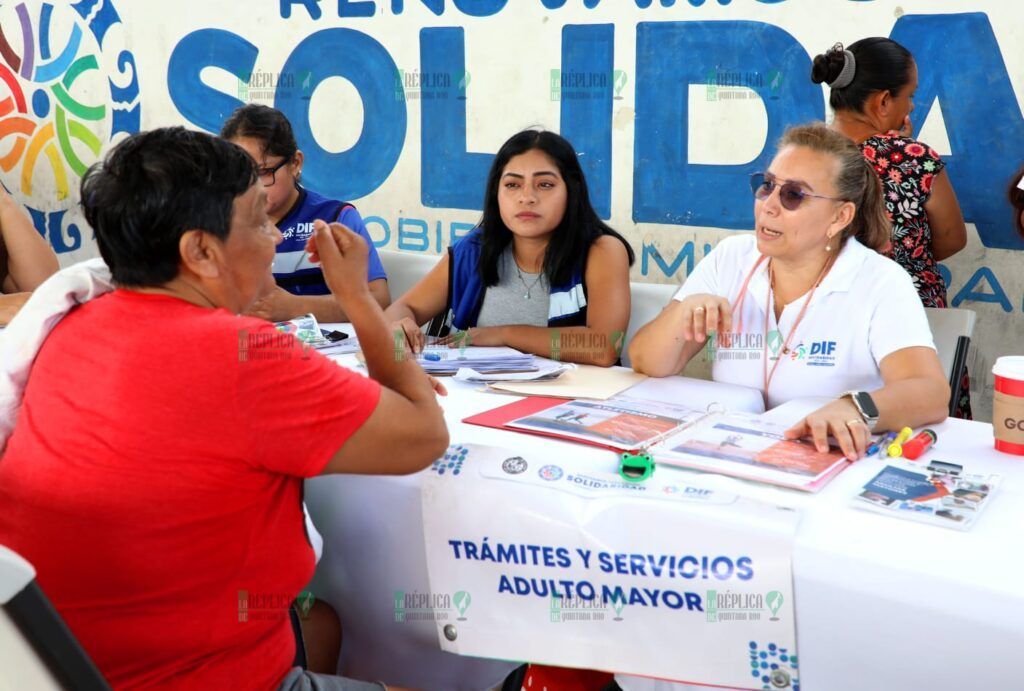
<point>881,603</point>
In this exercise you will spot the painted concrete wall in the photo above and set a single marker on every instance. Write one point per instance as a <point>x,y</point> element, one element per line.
<point>400,104</point>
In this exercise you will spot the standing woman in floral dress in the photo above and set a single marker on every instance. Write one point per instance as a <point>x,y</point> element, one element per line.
<point>872,85</point>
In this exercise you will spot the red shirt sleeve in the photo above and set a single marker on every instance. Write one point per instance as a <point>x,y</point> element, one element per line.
<point>298,407</point>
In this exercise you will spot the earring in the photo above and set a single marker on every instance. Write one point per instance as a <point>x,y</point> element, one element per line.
<point>828,244</point>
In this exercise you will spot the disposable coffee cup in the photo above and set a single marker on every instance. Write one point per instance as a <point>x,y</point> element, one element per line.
<point>1008,404</point>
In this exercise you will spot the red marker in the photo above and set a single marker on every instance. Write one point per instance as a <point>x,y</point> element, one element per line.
<point>919,444</point>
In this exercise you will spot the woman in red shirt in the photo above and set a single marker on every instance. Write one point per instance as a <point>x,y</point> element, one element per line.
<point>154,474</point>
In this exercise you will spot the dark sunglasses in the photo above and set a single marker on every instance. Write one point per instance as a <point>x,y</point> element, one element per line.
<point>791,195</point>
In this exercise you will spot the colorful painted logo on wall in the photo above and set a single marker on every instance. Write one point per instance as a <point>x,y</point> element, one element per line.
<point>67,89</point>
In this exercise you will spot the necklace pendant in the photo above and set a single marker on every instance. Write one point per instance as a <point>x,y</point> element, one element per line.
<point>785,351</point>
<point>526,296</point>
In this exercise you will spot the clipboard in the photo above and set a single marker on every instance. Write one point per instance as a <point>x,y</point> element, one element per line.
<point>503,416</point>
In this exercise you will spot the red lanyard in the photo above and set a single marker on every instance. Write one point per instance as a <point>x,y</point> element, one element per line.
<point>736,310</point>
<point>736,306</point>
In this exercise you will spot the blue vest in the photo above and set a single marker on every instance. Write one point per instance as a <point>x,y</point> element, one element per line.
<point>292,269</point>
<point>567,305</point>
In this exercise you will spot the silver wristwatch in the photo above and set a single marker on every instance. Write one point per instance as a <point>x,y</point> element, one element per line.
<point>865,406</point>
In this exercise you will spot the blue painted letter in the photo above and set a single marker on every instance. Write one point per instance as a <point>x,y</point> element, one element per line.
<point>363,61</point>
<point>586,119</point>
<point>958,61</point>
<point>672,55</point>
<point>451,176</point>
<point>202,105</point>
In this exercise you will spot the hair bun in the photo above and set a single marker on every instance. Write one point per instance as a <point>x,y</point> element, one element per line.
<point>828,65</point>
<point>820,69</point>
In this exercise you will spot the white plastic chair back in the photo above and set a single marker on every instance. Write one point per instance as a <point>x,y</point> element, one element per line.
<point>646,303</point>
<point>405,269</point>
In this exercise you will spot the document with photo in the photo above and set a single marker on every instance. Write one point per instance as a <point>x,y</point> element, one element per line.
<point>934,496</point>
<point>620,422</point>
<point>750,447</point>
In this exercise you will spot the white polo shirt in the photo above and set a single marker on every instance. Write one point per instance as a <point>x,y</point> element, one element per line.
<point>865,308</point>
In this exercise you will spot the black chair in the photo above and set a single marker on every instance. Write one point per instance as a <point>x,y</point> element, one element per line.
<point>952,330</point>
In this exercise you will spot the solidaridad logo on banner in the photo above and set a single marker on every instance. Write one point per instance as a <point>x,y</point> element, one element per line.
<point>68,90</point>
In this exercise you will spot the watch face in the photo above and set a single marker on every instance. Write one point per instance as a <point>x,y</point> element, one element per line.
<point>866,404</point>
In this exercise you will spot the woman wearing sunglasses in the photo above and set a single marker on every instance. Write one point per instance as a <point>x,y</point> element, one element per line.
<point>266,135</point>
<point>806,306</point>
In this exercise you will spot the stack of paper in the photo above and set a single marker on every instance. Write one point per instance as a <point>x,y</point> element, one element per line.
<point>444,360</point>
<point>544,372</point>
<point>343,347</point>
<point>581,381</point>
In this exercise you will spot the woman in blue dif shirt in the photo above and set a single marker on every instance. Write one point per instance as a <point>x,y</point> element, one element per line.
<point>266,135</point>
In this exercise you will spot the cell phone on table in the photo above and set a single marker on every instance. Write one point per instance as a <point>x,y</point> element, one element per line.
<point>334,336</point>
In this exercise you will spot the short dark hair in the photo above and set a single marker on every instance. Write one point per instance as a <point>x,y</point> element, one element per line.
<point>580,225</point>
<point>882,65</point>
<point>268,125</point>
<point>154,186</point>
<point>1016,195</point>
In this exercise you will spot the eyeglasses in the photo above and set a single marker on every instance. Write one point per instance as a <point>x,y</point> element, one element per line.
<point>266,175</point>
<point>791,195</point>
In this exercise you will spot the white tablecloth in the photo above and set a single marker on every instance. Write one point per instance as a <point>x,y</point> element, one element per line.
<point>881,603</point>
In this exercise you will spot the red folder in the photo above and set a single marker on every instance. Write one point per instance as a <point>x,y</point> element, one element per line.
<point>498,418</point>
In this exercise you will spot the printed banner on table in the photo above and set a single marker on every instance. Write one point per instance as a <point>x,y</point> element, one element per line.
<point>662,578</point>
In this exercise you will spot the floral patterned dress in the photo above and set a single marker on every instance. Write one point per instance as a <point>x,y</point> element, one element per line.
<point>907,169</point>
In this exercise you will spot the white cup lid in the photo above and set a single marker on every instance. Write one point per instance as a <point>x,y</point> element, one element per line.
<point>1009,366</point>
